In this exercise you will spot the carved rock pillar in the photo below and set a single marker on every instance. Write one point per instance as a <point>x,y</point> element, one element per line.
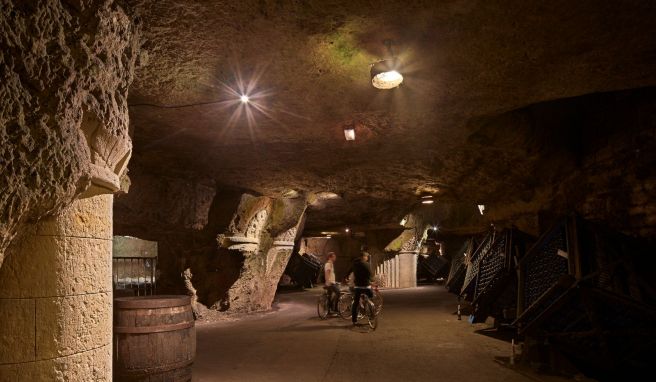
<point>276,258</point>
<point>407,261</point>
<point>56,283</point>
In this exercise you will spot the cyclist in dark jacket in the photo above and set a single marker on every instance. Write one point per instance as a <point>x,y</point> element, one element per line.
<point>362,274</point>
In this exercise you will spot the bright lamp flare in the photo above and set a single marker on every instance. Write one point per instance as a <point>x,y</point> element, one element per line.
<point>387,80</point>
<point>244,98</point>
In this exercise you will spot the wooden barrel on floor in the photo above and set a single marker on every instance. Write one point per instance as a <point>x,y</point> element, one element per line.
<point>154,339</point>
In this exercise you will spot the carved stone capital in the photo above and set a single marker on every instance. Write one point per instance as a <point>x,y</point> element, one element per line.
<point>286,239</point>
<point>110,151</point>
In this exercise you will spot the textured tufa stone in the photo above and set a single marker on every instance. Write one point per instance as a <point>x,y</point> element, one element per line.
<point>72,324</point>
<point>63,114</point>
<point>17,317</point>
<point>266,256</point>
<point>56,299</point>
<point>94,365</point>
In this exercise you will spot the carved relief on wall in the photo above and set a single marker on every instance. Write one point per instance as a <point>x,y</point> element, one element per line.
<point>410,246</point>
<point>286,238</point>
<point>249,240</point>
<point>256,224</point>
<point>110,151</point>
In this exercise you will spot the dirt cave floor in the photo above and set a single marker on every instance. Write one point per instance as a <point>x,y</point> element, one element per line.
<point>418,339</point>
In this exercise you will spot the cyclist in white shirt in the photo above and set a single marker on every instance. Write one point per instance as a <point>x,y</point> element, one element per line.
<point>329,276</point>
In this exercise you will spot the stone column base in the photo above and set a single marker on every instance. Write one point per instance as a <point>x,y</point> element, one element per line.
<point>56,298</point>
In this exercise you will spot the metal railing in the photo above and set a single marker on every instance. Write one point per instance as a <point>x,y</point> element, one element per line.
<point>135,274</point>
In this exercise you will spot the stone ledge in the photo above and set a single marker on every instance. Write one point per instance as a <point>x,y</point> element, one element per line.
<point>242,243</point>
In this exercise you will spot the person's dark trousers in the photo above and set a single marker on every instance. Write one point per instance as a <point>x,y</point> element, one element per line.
<point>334,296</point>
<point>356,301</point>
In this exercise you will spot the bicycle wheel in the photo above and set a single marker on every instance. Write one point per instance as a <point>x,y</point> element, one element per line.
<point>322,307</point>
<point>378,301</point>
<point>372,316</point>
<point>344,306</point>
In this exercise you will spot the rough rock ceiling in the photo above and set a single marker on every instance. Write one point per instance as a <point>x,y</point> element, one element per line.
<point>464,61</point>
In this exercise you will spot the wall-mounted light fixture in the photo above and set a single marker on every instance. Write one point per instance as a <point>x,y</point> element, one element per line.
<point>427,199</point>
<point>349,133</point>
<point>481,208</point>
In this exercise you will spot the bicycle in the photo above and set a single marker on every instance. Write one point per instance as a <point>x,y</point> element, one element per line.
<point>368,307</point>
<point>323,304</point>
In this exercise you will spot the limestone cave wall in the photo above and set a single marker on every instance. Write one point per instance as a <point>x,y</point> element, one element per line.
<point>615,182</point>
<point>347,248</point>
<point>227,247</point>
<point>596,157</point>
<point>175,213</point>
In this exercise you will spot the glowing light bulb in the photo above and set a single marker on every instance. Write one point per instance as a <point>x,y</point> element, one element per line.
<point>387,80</point>
<point>427,201</point>
<point>481,208</point>
<point>349,134</point>
<point>244,98</point>
<point>347,229</point>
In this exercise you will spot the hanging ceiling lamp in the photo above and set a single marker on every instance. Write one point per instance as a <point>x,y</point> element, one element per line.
<point>384,73</point>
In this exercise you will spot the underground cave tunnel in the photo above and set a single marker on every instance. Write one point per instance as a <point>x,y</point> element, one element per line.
<point>266,190</point>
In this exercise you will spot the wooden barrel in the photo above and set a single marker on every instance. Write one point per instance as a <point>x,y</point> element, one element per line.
<point>154,339</point>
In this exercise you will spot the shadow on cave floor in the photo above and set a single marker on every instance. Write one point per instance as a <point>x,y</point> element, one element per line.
<point>418,339</point>
<point>503,335</point>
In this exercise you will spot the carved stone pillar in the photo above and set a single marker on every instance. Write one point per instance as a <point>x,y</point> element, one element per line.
<point>406,246</point>
<point>265,257</point>
<point>388,278</point>
<point>407,269</point>
<point>277,257</point>
<point>56,283</point>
